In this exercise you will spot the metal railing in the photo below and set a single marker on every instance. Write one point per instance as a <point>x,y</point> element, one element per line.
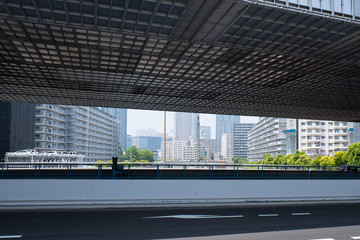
<point>170,171</point>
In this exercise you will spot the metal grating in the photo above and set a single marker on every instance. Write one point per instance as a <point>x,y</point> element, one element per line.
<point>193,56</point>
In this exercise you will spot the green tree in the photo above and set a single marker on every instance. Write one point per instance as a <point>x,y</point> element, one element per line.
<point>268,159</point>
<point>326,161</point>
<point>132,153</point>
<point>352,156</point>
<point>339,158</point>
<point>289,160</point>
<point>303,160</point>
<point>278,159</point>
<point>297,155</point>
<point>316,161</point>
<point>240,160</point>
<point>145,154</point>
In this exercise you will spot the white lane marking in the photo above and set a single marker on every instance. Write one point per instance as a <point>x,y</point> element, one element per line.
<point>301,214</point>
<point>11,236</point>
<point>269,215</point>
<point>322,239</point>
<point>356,237</point>
<point>197,216</point>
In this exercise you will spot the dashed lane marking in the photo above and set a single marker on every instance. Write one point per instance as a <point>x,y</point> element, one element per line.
<point>301,214</point>
<point>322,239</point>
<point>11,236</point>
<point>197,216</point>
<point>269,215</point>
<point>356,237</point>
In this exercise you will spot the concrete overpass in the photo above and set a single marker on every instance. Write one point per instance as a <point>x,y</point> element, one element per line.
<point>285,58</point>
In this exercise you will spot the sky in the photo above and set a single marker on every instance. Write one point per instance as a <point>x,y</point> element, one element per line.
<point>144,119</point>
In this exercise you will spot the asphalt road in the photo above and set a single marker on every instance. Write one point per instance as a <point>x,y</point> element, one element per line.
<point>325,222</point>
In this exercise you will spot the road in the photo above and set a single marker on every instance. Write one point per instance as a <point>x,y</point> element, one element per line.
<point>303,222</point>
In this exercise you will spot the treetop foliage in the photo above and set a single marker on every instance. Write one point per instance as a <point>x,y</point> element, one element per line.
<point>133,154</point>
<point>349,157</point>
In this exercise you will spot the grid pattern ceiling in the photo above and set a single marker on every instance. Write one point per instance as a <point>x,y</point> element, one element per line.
<point>209,56</point>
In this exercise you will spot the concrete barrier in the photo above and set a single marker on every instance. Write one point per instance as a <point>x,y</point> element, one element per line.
<point>34,193</point>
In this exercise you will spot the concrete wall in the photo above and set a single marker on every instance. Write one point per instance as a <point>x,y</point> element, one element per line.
<point>72,192</point>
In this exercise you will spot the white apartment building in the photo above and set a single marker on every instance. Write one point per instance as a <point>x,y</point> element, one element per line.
<point>85,130</point>
<point>324,138</point>
<point>227,146</point>
<point>188,150</point>
<point>271,136</point>
<point>191,153</point>
<point>174,150</point>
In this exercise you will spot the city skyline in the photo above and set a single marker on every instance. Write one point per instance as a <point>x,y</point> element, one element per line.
<point>146,119</point>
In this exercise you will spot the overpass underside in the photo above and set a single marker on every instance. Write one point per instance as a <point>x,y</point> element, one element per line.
<point>208,56</point>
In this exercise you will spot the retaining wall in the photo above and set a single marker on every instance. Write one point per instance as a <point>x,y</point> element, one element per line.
<point>100,193</point>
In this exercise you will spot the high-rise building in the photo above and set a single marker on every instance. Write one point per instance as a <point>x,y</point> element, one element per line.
<point>128,141</point>
<point>85,130</point>
<point>195,117</point>
<point>17,124</point>
<point>190,151</point>
<point>146,142</point>
<point>224,124</point>
<point>356,132</point>
<point>212,147</point>
<point>183,125</point>
<point>121,115</point>
<point>227,143</point>
<point>324,138</point>
<point>186,125</point>
<point>241,138</point>
<point>205,132</point>
<point>271,136</point>
<point>174,150</point>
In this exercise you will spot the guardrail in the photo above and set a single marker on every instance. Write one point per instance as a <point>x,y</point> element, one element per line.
<point>170,171</point>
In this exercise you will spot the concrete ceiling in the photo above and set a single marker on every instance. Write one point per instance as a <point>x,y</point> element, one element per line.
<point>206,56</point>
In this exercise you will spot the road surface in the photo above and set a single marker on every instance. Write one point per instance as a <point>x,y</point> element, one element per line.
<point>303,222</point>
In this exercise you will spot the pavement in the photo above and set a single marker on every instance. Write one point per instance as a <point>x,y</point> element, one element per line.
<point>300,222</point>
